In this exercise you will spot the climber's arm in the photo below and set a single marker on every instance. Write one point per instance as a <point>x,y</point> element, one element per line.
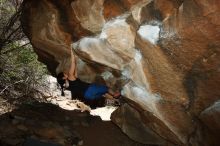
<point>72,75</point>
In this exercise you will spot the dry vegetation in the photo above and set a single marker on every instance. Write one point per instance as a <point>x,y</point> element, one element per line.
<point>20,72</point>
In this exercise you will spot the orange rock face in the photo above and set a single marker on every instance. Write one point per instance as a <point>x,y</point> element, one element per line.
<point>163,54</point>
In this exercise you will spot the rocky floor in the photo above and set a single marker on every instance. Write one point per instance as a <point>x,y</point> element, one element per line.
<point>47,124</point>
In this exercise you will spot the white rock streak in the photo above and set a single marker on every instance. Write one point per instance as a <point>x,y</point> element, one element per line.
<point>213,108</point>
<point>138,90</point>
<point>149,33</point>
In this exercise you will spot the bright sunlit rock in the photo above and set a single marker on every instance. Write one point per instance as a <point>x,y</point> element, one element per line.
<point>149,33</point>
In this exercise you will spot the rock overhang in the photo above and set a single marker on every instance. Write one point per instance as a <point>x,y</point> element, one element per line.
<point>167,50</point>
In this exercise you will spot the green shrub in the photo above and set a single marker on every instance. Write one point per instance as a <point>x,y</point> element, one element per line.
<point>20,70</point>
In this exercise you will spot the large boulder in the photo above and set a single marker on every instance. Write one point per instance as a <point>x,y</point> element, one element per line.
<point>163,55</point>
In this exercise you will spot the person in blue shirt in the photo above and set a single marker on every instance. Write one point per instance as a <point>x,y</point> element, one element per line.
<point>90,93</point>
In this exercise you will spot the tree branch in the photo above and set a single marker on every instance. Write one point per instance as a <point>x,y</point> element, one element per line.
<point>13,32</point>
<point>10,86</point>
<point>14,18</point>
<point>11,50</point>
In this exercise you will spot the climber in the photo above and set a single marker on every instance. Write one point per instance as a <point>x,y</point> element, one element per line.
<point>89,93</point>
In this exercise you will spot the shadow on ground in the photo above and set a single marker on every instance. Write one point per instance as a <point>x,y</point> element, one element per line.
<point>45,124</point>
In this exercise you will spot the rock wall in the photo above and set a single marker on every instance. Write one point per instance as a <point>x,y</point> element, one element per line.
<point>162,54</point>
